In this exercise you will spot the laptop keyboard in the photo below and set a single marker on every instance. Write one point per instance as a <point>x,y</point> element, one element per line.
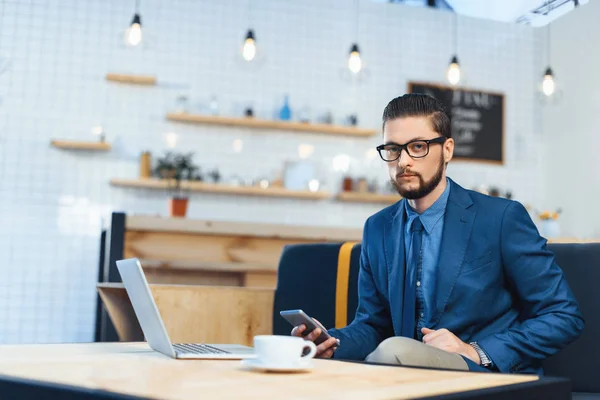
<point>197,349</point>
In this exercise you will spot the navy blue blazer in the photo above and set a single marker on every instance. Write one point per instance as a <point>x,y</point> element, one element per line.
<point>497,284</point>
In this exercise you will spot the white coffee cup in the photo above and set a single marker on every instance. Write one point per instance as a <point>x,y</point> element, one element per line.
<point>282,350</point>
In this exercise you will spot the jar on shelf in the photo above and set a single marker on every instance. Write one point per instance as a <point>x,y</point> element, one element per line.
<point>362,186</point>
<point>347,184</point>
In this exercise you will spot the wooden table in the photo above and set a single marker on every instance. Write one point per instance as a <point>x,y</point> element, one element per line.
<point>89,370</point>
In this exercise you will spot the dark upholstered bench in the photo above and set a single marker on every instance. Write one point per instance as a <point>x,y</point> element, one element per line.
<point>322,279</point>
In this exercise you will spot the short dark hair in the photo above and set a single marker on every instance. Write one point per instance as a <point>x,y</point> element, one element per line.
<point>419,105</point>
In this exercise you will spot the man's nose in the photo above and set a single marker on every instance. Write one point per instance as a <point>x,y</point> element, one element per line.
<point>404,160</point>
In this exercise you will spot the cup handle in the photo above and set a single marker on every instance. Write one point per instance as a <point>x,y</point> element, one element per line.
<point>313,350</point>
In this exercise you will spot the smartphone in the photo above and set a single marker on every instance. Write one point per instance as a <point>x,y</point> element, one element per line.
<point>299,317</point>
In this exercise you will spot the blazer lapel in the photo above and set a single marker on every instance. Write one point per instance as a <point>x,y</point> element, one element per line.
<point>458,223</point>
<point>393,240</point>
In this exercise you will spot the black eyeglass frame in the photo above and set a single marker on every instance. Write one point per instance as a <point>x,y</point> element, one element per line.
<point>381,147</point>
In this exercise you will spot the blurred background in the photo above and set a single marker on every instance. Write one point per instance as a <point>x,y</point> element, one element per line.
<point>269,112</point>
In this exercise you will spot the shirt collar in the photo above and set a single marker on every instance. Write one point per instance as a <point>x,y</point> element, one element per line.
<point>432,215</point>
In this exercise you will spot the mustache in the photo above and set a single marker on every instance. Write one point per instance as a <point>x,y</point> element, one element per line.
<point>407,172</point>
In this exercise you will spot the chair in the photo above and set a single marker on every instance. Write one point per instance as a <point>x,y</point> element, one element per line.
<point>320,279</point>
<point>580,361</point>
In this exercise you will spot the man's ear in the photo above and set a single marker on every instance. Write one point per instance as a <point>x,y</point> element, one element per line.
<point>448,150</point>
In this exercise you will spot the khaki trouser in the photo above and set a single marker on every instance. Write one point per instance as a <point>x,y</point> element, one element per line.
<point>410,352</point>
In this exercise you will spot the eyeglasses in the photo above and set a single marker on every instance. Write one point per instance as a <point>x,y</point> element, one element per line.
<point>414,148</point>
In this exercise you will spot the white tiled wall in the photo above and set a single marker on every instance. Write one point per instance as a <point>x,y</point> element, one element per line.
<point>571,127</point>
<point>53,203</point>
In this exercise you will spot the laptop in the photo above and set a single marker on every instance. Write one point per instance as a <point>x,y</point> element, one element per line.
<point>154,329</point>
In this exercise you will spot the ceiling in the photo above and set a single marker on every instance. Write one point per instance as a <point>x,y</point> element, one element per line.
<point>533,12</point>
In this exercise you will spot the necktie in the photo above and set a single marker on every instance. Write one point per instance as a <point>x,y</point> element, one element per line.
<point>410,277</point>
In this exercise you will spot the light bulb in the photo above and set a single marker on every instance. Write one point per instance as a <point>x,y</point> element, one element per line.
<point>453,72</point>
<point>249,50</point>
<point>354,62</point>
<point>548,84</point>
<point>133,34</point>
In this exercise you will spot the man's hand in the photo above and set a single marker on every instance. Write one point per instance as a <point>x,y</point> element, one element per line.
<point>445,340</point>
<point>325,349</point>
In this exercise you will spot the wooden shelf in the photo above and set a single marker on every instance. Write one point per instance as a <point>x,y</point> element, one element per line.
<point>368,197</point>
<point>134,79</point>
<point>273,125</point>
<point>160,224</point>
<point>76,145</point>
<point>152,183</point>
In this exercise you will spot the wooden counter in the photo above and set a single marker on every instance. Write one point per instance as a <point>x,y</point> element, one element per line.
<point>196,314</point>
<point>186,251</point>
<point>134,369</point>
<point>176,251</point>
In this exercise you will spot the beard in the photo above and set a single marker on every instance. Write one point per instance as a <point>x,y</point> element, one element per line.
<point>424,187</point>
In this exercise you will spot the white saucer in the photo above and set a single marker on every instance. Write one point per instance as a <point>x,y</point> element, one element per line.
<point>257,364</point>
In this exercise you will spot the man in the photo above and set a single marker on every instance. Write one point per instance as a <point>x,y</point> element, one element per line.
<point>450,278</point>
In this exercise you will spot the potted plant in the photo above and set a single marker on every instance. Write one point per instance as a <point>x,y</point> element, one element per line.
<point>549,227</point>
<point>176,168</point>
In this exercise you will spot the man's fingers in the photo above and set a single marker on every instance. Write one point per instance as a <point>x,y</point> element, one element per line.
<point>327,354</point>
<point>433,335</point>
<point>436,342</point>
<point>297,331</point>
<point>313,335</point>
<point>427,331</point>
<point>326,346</point>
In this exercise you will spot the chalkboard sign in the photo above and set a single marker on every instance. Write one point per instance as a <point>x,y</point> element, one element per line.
<point>477,120</point>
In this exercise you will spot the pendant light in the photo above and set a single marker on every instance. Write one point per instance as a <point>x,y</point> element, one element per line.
<point>548,82</point>
<point>354,60</point>
<point>133,34</point>
<point>249,49</point>
<point>549,90</point>
<point>453,71</point>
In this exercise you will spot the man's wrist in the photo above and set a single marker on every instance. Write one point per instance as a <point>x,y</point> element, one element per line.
<point>482,356</point>
<point>472,354</point>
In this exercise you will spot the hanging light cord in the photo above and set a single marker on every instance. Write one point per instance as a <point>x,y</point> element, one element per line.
<point>356,22</point>
<point>137,6</point>
<point>455,34</point>
<point>249,14</point>
<point>548,33</point>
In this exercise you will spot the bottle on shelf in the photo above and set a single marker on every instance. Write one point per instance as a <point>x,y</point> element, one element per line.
<point>213,105</point>
<point>145,165</point>
<point>285,114</point>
